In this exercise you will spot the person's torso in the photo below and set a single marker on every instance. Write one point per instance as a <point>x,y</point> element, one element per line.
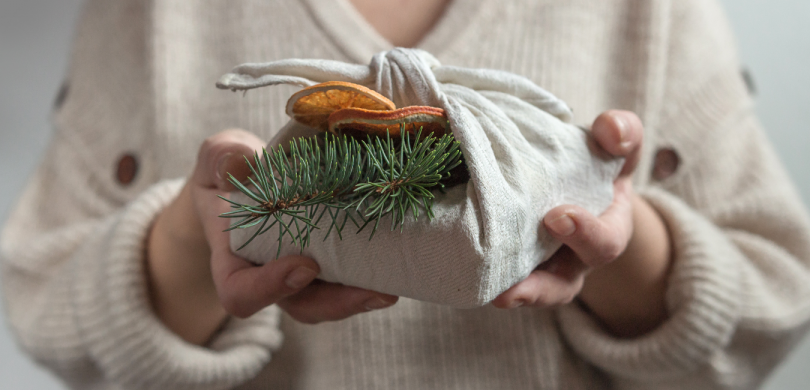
<point>595,55</point>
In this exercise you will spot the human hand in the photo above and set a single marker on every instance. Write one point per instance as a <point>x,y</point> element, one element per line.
<point>196,279</point>
<point>616,258</point>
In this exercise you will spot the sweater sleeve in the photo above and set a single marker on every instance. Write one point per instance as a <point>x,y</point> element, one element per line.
<point>739,287</point>
<point>77,299</point>
<point>73,249</point>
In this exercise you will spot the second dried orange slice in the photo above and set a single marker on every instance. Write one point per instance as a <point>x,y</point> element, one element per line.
<point>359,122</point>
<point>312,106</point>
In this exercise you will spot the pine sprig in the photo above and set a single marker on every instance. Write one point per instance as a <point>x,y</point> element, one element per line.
<point>341,179</point>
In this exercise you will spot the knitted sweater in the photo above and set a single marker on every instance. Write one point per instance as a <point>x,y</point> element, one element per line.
<point>141,84</point>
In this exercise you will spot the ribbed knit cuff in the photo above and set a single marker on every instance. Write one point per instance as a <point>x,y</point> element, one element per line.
<point>127,341</point>
<point>702,298</point>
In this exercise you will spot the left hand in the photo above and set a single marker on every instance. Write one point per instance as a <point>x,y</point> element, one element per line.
<point>196,281</point>
<point>600,243</point>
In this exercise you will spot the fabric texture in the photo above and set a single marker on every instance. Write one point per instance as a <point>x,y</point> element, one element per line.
<point>142,83</point>
<point>523,157</point>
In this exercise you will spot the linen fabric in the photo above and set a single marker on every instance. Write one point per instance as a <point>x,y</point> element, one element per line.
<point>142,83</point>
<point>524,159</point>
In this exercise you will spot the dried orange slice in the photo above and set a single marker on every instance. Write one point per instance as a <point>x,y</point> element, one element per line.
<point>312,106</point>
<point>359,122</point>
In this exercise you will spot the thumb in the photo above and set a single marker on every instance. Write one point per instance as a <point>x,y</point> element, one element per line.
<point>621,134</point>
<point>222,154</point>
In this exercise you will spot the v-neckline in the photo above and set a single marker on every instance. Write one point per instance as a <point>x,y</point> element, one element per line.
<point>359,40</point>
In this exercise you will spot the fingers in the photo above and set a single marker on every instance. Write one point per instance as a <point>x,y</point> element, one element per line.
<point>556,282</point>
<point>323,301</point>
<point>290,282</point>
<point>596,241</point>
<point>197,204</point>
<point>620,133</point>
<point>225,153</point>
<point>220,154</point>
<point>588,241</point>
<point>244,288</point>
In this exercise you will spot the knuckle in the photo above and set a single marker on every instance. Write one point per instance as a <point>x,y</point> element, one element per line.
<point>559,296</point>
<point>544,301</point>
<point>209,144</point>
<point>235,308</point>
<point>600,247</point>
<point>568,298</point>
<point>612,250</point>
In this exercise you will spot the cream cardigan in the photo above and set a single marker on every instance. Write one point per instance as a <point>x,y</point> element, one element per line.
<point>142,83</point>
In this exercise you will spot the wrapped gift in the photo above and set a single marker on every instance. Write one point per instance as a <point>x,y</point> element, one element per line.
<point>523,155</point>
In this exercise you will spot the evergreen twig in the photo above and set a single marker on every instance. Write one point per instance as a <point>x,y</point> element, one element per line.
<point>340,179</point>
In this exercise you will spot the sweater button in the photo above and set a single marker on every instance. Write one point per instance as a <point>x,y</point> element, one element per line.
<point>64,90</point>
<point>127,169</point>
<point>666,163</point>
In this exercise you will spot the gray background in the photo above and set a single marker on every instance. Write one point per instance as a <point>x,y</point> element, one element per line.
<point>774,38</point>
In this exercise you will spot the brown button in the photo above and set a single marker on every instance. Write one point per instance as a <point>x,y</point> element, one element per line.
<point>127,169</point>
<point>666,163</point>
<point>61,96</point>
<point>749,81</point>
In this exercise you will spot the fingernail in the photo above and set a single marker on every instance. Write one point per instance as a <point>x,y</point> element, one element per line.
<point>221,174</point>
<point>376,304</point>
<point>623,125</point>
<point>517,303</point>
<point>300,278</point>
<point>563,225</point>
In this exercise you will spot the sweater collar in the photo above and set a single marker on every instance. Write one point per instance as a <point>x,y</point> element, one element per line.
<point>355,36</point>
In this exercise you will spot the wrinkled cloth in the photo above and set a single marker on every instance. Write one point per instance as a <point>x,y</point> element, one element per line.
<point>524,158</point>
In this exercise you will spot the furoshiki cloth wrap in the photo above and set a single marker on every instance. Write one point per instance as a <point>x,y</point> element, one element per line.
<point>523,155</point>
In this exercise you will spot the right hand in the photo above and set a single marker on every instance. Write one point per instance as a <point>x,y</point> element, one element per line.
<point>196,281</point>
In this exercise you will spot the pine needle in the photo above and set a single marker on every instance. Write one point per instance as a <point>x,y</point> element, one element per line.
<point>339,178</point>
